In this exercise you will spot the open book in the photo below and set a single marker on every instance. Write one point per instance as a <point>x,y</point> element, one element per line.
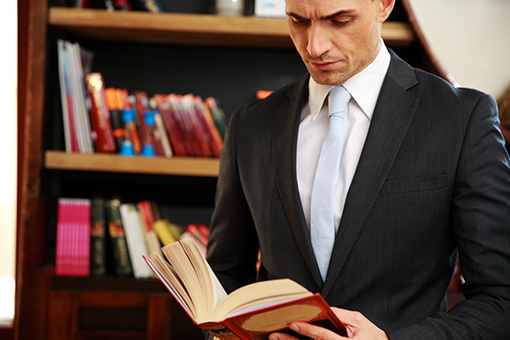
<point>250,312</point>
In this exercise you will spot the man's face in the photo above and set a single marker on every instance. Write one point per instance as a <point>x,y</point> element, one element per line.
<point>336,38</point>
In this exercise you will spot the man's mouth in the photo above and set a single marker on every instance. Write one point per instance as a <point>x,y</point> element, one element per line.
<point>323,65</point>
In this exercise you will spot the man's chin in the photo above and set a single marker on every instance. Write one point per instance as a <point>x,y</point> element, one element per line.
<point>327,78</point>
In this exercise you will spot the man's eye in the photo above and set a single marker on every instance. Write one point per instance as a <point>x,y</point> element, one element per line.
<point>298,21</point>
<point>341,22</point>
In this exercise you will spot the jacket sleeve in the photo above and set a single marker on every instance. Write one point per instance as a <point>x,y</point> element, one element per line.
<point>233,246</point>
<point>481,225</point>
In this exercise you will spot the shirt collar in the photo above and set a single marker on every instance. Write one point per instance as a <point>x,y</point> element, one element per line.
<point>364,87</point>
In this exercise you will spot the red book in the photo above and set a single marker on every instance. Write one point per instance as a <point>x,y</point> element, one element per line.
<point>172,129</point>
<point>250,312</point>
<point>72,256</point>
<point>185,126</point>
<point>197,234</point>
<point>207,121</point>
<point>101,121</point>
<point>200,134</point>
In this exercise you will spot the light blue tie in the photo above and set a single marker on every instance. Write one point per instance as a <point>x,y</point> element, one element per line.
<point>322,225</point>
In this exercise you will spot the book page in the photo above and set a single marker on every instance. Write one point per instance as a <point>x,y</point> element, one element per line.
<point>171,280</point>
<point>260,294</point>
<point>194,277</point>
<point>215,291</point>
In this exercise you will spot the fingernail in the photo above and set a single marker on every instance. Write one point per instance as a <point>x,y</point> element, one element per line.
<point>294,327</point>
<point>273,337</point>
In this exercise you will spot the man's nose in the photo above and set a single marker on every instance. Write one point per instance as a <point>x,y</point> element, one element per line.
<point>319,41</point>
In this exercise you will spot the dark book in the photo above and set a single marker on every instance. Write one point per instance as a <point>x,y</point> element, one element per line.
<point>97,237</point>
<point>115,115</point>
<point>148,6</point>
<point>118,239</point>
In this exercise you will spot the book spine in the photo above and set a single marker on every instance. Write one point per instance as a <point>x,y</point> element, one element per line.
<point>135,240</point>
<point>116,117</point>
<point>184,125</point>
<point>84,237</point>
<point>162,230</point>
<point>173,130</point>
<point>215,140</point>
<point>218,115</point>
<point>149,5</point>
<point>118,239</point>
<point>162,136</point>
<point>101,120</point>
<point>201,137</point>
<point>62,238</point>
<point>97,238</point>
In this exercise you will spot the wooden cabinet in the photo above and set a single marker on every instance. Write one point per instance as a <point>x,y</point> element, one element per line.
<point>228,58</point>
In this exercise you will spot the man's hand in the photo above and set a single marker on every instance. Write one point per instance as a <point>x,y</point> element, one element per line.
<point>357,325</point>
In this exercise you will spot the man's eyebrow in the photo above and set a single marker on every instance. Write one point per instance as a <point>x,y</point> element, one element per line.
<point>337,14</point>
<point>326,17</point>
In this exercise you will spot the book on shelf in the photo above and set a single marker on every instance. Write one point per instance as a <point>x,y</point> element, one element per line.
<point>97,237</point>
<point>162,136</point>
<point>250,312</point>
<point>207,120</point>
<point>113,106</point>
<point>72,257</point>
<point>147,221</point>
<point>121,257</point>
<point>135,240</point>
<point>153,6</point>
<point>190,124</point>
<point>217,114</point>
<point>74,97</point>
<point>164,232</point>
<point>101,120</point>
<point>175,134</point>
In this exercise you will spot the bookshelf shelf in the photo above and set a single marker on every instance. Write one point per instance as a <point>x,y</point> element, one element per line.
<point>176,166</point>
<point>193,29</point>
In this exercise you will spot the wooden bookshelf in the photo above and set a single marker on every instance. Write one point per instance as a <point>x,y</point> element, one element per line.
<point>176,166</point>
<point>193,29</point>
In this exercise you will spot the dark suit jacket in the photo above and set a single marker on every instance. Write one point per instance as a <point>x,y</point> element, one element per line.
<point>433,180</point>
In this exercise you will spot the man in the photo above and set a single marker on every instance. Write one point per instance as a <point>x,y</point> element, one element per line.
<point>424,176</point>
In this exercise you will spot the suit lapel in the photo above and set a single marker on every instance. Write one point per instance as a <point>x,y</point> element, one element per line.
<point>391,120</point>
<point>283,151</point>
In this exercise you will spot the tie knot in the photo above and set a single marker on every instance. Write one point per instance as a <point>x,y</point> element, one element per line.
<point>337,101</point>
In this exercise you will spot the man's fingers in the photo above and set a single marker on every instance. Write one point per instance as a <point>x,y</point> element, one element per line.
<point>306,329</point>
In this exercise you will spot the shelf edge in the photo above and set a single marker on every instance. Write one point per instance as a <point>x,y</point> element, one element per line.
<point>176,166</point>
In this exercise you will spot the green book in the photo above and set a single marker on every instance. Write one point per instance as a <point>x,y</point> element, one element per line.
<point>121,258</point>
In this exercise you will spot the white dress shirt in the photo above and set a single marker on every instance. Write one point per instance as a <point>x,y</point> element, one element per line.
<point>364,88</point>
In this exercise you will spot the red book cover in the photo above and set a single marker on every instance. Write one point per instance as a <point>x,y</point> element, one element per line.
<point>100,115</point>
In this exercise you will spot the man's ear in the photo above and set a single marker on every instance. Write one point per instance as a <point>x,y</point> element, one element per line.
<point>385,8</point>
